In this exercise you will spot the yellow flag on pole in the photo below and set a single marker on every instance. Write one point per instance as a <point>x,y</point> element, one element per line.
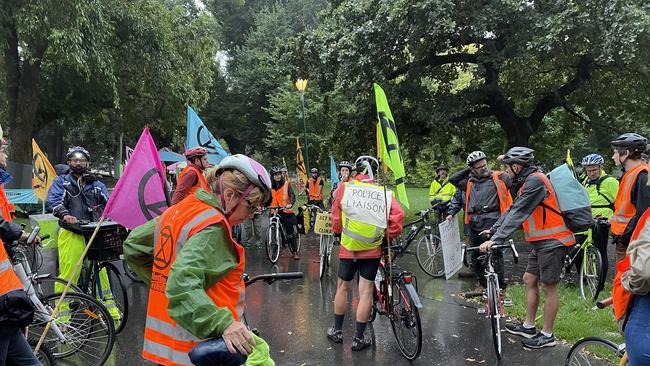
<point>301,171</point>
<point>43,173</point>
<point>388,144</point>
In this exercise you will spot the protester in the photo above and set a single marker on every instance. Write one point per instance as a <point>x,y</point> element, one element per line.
<point>191,178</point>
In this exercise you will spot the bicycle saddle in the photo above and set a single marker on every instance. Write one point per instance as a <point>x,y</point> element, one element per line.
<point>214,352</point>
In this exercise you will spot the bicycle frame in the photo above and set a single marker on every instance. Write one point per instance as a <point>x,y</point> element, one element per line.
<point>384,288</point>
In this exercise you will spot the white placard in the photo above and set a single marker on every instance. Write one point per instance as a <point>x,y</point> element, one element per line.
<point>451,246</point>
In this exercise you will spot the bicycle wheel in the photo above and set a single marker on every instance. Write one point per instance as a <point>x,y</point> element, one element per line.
<point>115,296</point>
<point>44,354</point>
<point>273,244</point>
<point>429,255</point>
<point>322,255</point>
<point>130,273</point>
<point>86,325</point>
<point>593,351</point>
<point>405,321</point>
<point>46,285</point>
<point>494,314</point>
<point>589,271</point>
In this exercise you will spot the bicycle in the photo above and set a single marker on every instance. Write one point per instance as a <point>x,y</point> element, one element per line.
<point>130,273</point>
<point>278,236</point>
<point>596,351</point>
<point>494,300</point>
<point>84,335</point>
<point>326,244</point>
<point>203,354</point>
<point>44,354</point>
<point>428,250</point>
<point>106,247</point>
<point>591,270</point>
<point>396,297</point>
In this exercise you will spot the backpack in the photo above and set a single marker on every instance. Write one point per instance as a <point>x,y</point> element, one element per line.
<point>572,199</point>
<point>610,203</point>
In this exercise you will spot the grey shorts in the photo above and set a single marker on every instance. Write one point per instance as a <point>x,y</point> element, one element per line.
<point>547,265</point>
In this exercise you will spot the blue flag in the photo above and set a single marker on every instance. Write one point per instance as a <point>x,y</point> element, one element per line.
<point>334,176</point>
<point>198,135</point>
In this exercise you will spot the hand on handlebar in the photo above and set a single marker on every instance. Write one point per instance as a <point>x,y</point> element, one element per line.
<point>238,338</point>
<point>449,218</point>
<point>25,235</point>
<point>485,247</point>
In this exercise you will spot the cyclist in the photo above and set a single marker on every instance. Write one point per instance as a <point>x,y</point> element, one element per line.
<point>631,293</point>
<point>195,269</point>
<point>602,189</point>
<point>191,178</point>
<point>315,189</point>
<point>7,209</point>
<point>486,198</point>
<point>632,199</point>
<point>78,196</point>
<point>441,190</point>
<point>546,231</point>
<point>344,168</point>
<point>283,196</point>
<point>362,233</point>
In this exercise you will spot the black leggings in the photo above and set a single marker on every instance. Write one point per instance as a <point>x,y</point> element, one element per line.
<point>290,224</point>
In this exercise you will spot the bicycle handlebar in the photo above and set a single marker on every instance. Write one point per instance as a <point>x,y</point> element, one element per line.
<point>510,245</point>
<point>272,277</point>
<point>316,207</point>
<point>604,303</point>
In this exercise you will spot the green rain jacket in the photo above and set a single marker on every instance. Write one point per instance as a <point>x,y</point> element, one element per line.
<point>206,258</point>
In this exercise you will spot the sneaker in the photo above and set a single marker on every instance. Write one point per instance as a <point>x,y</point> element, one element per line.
<point>520,330</point>
<point>539,341</point>
<point>358,344</point>
<point>335,336</point>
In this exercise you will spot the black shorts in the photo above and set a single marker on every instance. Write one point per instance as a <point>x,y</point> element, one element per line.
<point>367,268</point>
<point>547,265</point>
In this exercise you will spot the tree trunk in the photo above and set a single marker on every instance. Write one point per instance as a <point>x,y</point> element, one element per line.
<point>23,126</point>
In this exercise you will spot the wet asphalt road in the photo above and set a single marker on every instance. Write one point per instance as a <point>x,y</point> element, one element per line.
<point>292,316</point>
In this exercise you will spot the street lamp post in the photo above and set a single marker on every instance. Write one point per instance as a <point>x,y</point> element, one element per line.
<point>301,85</point>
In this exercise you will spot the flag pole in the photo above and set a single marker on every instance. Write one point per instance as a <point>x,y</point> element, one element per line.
<point>77,269</point>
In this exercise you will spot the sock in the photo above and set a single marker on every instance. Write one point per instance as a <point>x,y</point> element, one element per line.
<point>361,327</point>
<point>338,321</point>
<point>527,326</point>
<point>547,335</point>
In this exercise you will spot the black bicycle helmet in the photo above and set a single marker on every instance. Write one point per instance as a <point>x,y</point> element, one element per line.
<point>345,164</point>
<point>314,170</point>
<point>276,170</point>
<point>519,154</point>
<point>440,167</point>
<point>634,142</point>
<point>361,161</point>
<point>77,150</point>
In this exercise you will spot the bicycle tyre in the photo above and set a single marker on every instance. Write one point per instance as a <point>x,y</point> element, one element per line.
<point>494,314</point>
<point>322,255</point>
<point>273,244</point>
<point>130,273</point>
<point>46,284</point>
<point>578,355</point>
<point>44,354</point>
<point>407,316</point>
<point>118,290</point>
<point>378,286</point>
<point>429,255</point>
<point>89,313</point>
<point>589,272</point>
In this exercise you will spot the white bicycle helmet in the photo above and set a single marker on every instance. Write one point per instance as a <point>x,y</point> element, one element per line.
<point>254,171</point>
<point>592,159</point>
<point>475,156</point>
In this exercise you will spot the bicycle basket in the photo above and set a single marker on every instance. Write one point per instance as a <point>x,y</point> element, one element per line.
<point>107,245</point>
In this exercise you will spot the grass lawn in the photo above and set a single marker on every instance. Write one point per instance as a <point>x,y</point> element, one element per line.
<point>575,319</point>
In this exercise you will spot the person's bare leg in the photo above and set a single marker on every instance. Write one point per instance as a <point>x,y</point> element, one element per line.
<point>532,297</point>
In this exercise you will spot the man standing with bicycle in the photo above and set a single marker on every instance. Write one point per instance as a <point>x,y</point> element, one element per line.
<point>74,197</point>
<point>360,216</point>
<point>535,208</point>
<point>282,196</point>
<point>486,198</point>
<point>315,189</point>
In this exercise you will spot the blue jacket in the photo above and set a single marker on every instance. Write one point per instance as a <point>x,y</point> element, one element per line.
<point>66,198</point>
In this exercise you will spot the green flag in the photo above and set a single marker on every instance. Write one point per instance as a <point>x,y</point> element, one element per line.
<point>388,144</point>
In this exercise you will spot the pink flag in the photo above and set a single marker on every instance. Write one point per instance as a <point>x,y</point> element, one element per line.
<point>139,195</point>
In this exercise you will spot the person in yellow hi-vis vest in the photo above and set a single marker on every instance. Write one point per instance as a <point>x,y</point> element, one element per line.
<point>359,215</point>
<point>74,197</point>
<point>441,189</point>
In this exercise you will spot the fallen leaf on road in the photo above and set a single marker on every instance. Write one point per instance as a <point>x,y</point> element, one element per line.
<point>470,360</point>
<point>455,336</point>
<point>289,333</point>
<point>511,340</point>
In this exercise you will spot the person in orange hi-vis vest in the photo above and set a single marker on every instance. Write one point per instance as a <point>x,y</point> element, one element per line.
<point>282,196</point>
<point>195,270</point>
<point>631,293</point>
<point>16,310</point>
<point>632,198</point>
<point>315,189</point>
<point>191,178</point>
<point>536,209</point>
<point>7,209</point>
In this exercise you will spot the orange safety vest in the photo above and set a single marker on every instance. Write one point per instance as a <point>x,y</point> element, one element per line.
<point>621,299</point>
<point>5,206</point>
<point>166,342</point>
<point>505,200</point>
<point>315,191</point>
<point>545,224</point>
<point>280,196</point>
<point>624,209</point>
<point>201,182</point>
<point>8,279</point>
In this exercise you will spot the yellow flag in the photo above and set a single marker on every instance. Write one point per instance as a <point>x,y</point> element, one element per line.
<point>388,144</point>
<point>569,162</point>
<point>300,163</point>
<point>43,173</point>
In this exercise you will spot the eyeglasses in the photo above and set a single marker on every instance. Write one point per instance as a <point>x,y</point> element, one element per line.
<point>79,161</point>
<point>252,208</point>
